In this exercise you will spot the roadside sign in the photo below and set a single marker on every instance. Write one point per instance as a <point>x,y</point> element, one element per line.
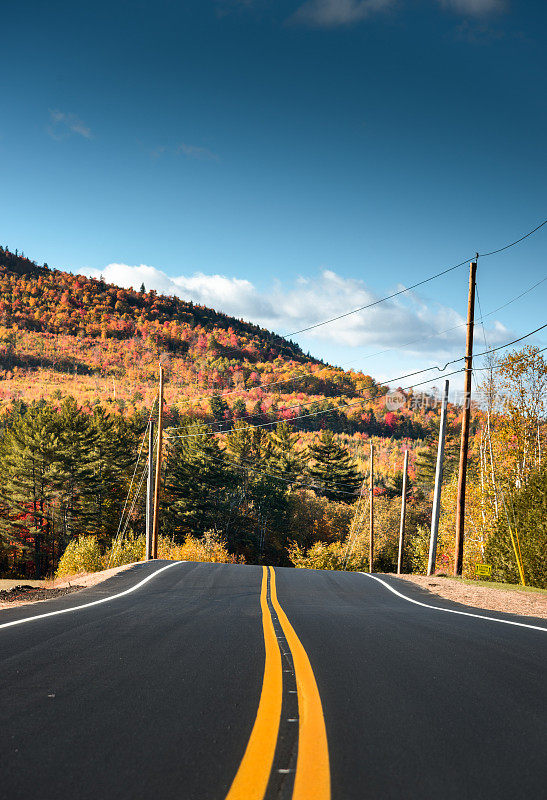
<point>483,569</point>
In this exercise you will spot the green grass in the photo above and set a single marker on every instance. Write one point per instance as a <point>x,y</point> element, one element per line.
<point>514,587</point>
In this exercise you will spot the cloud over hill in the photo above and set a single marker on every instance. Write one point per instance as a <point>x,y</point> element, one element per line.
<point>286,308</point>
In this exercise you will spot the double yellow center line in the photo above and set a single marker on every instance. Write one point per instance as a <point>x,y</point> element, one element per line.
<point>312,778</point>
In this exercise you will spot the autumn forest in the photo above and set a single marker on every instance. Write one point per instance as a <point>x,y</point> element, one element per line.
<point>266,448</point>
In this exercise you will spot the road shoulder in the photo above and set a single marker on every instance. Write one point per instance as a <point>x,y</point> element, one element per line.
<point>521,604</point>
<point>42,591</point>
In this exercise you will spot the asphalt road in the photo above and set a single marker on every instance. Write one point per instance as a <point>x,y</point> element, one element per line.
<point>215,682</point>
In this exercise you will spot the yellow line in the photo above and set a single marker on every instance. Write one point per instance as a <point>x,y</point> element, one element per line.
<point>252,777</point>
<point>312,779</point>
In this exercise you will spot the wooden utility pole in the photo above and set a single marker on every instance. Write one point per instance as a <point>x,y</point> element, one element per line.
<point>462,475</point>
<point>155,527</point>
<point>150,492</point>
<point>403,515</point>
<point>371,519</point>
<point>438,485</point>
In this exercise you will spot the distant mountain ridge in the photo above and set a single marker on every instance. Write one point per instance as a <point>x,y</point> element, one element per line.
<point>61,302</point>
<point>65,334</point>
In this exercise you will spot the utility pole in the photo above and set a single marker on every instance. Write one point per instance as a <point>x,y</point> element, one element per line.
<point>371,521</point>
<point>438,485</point>
<point>403,515</point>
<point>155,527</point>
<point>150,492</point>
<point>462,475</point>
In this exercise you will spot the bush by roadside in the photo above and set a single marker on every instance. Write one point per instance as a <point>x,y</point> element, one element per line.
<point>85,554</point>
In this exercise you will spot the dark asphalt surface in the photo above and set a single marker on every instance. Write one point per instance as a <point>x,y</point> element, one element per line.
<point>154,695</point>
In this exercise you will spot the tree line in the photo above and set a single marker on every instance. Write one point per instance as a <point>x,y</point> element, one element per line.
<point>67,472</point>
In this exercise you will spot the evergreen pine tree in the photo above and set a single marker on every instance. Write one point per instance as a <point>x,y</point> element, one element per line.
<point>32,480</point>
<point>284,460</point>
<point>247,445</point>
<point>332,464</point>
<point>76,459</point>
<point>197,482</point>
<point>219,407</point>
<point>113,456</point>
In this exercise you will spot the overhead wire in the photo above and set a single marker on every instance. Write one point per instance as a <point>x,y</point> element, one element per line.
<point>313,373</point>
<point>356,524</point>
<point>306,416</point>
<point>523,356</point>
<point>398,378</point>
<point>453,328</point>
<point>349,405</point>
<point>517,241</point>
<point>502,346</point>
<point>136,467</point>
<point>377,302</point>
<point>415,285</point>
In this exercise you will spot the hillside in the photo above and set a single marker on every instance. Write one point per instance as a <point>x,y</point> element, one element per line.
<point>68,334</point>
<point>79,374</point>
<point>79,377</point>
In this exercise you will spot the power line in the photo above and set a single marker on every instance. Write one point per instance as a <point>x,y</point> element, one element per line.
<point>377,302</point>
<point>363,399</point>
<point>313,414</point>
<point>454,327</point>
<point>135,469</point>
<point>312,373</point>
<point>512,244</point>
<point>523,356</point>
<point>495,349</point>
<point>120,536</point>
<point>415,285</point>
<point>398,378</point>
<point>502,346</point>
<point>326,411</point>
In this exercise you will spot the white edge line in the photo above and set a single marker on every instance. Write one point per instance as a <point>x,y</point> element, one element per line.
<point>451,610</point>
<point>95,602</point>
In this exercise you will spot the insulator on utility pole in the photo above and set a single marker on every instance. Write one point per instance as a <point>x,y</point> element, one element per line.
<point>155,527</point>
<point>150,492</point>
<point>438,485</point>
<point>371,519</point>
<point>464,446</point>
<point>403,515</point>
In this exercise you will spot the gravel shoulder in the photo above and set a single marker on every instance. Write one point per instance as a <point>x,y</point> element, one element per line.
<point>512,601</point>
<point>22,592</point>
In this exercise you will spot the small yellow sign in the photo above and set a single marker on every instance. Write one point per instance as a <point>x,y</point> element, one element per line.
<point>483,569</point>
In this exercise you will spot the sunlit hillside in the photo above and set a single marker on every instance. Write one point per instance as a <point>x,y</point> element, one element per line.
<point>65,334</point>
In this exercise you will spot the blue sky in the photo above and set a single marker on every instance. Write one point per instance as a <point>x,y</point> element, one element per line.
<point>285,161</point>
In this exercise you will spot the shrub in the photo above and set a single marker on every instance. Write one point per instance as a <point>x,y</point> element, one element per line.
<point>329,556</point>
<point>527,511</point>
<point>313,518</point>
<point>81,555</point>
<point>84,554</point>
<point>418,549</point>
<point>211,548</point>
<point>126,551</point>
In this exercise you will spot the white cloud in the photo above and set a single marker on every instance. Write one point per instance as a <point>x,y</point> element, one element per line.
<point>331,13</point>
<point>63,124</point>
<point>475,7</point>
<point>200,153</point>
<point>311,300</point>
<point>335,13</point>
